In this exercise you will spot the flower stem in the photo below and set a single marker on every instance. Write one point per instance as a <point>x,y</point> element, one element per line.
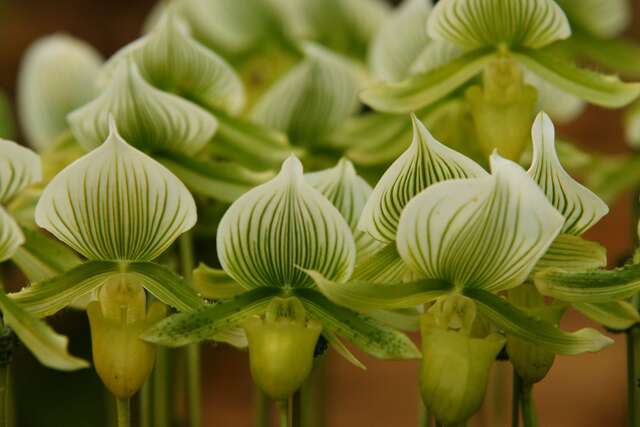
<point>146,415</point>
<point>260,408</point>
<point>4,391</point>
<point>161,402</point>
<point>193,350</point>
<point>424,419</point>
<point>124,412</point>
<point>633,377</point>
<point>284,407</point>
<point>529,417</point>
<point>515,400</point>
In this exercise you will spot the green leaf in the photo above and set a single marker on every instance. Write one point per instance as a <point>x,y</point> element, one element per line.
<point>312,99</point>
<point>518,323</point>
<point>116,203</point>
<point>590,286</point>
<point>348,192</point>
<point>603,18</point>
<point>148,118</point>
<point>364,296</point>
<point>423,164</point>
<point>171,60</point>
<point>279,226</point>
<point>57,75</point>
<point>42,257</point>
<point>573,253</point>
<point>19,168</point>
<point>186,328</point>
<point>486,232</point>
<point>220,180</point>
<point>580,207</point>
<point>46,345</point>
<point>399,41</point>
<point>425,89</point>
<point>367,334</point>
<point>214,283</point>
<point>619,315</point>
<point>11,236</point>
<point>250,144</point>
<point>166,286</point>
<point>48,297</point>
<point>385,266</point>
<point>604,90</point>
<point>473,24</point>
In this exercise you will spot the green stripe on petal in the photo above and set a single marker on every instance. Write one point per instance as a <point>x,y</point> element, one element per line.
<point>11,236</point>
<point>590,286</point>
<point>274,229</point>
<point>485,232</point>
<point>147,118</point>
<point>313,98</point>
<point>171,60</point>
<point>618,315</point>
<point>365,296</point>
<point>574,253</point>
<point>58,74</point>
<point>116,203</point>
<point>538,332</point>
<point>580,207</point>
<point>384,266</point>
<point>473,24</point>
<point>604,90</point>
<point>424,163</point>
<point>19,168</point>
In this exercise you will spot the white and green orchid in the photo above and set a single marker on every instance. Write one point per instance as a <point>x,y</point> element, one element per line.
<point>488,30</point>
<point>266,240</point>
<point>20,168</point>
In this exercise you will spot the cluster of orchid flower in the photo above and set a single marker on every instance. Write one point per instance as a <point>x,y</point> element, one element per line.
<point>471,231</point>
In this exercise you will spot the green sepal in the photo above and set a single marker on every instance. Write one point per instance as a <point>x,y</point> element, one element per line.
<point>214,283</point>
<point>186,328</point>
<point>364,332</point>
<point>617,315</point>
<point>620,55</point>
<point>531,329</point>
<point>46,345</point>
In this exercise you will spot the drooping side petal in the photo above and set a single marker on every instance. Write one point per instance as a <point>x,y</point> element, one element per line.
<point>274,230</point>
<point>172,60</point>
<point>11,236</point>
<point>58,74</point>
<point>424,163</point>
<point>473,24</point>
<point>580,207</point>
<point>116,203</point>
<point>19,168</point>
<point>486,232</point>
<point>147,118</point>
<point>313,98</point>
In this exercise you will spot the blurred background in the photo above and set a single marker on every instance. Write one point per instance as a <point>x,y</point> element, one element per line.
<point>587,390</point>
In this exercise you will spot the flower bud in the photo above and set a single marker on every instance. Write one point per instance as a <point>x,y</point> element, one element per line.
<point>117,319</point>
<point>455,366</point>
<point>531,362</point>
<point>503,109</point>
<point>281,345</point>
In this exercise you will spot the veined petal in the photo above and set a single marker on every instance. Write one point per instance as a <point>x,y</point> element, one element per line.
<point>11,236</point>
<point>271,231</point>
<point>313,98</point>
<point>170,59</point>
<point>618,315</point>
<point>147,118</point>
<point>19,168</point>
<point>424,163</point>
<point>486,232</point>
<point>116,203</point>
<point>400,40</point>
<point>603,18</point>
<point>473,24</point>
<point>58,74</point>
<point>561,106</point>
<point>580,207</point>
<point>384,266</point>
<point>348,192</point>
<point>573,253</point>
<point>437,53</point>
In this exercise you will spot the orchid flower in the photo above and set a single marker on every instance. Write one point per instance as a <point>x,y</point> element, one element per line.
<point>265,240</point>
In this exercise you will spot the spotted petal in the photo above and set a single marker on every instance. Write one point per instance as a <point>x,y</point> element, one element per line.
<point>116,203</point>
<point>486,232</point>
<point>172,60</point>
<point>272,231</point>
<point>58,74</point>
<point>473,24</point>
<point>147,118</point>
<point>424,163</point>
<point>580,207</point>
<point>19,168</point>
<point>313,98</point>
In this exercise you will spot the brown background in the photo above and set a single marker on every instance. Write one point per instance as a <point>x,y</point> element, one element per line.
<point>587,390</point>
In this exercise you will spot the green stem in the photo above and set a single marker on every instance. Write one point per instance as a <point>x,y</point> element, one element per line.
<point>193,351</point>
<point>529,417</point>
<point>633,378</point>
<point>260,408</point>
<point>283,412</point>
<point>424,418</point>
<point>146,416</point>
<point>161,401</point>
<point>4,388</point>
<point>124,412</point>
<point>515,400</point>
